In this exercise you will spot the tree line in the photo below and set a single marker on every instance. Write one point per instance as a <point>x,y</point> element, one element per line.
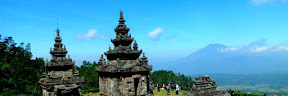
<point>169,77</point>
<point>19,73</point>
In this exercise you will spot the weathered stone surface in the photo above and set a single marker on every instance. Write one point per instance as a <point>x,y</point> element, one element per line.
<point>204,86</point>
<point>124,74</point>
<point>58,78</point>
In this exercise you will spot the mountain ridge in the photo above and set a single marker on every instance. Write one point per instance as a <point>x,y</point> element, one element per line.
<point>213,59</point>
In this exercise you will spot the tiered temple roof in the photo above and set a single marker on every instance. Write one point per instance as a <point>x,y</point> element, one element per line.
<point>123,57</point>
<point>59,61</point>
<point>58,75</point>
<point>125,73</point>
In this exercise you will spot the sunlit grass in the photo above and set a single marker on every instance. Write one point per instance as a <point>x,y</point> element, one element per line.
<point>163,92</point>
<point>91,94</point>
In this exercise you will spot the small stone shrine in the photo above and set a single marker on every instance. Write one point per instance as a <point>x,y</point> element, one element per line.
<point>59,79</point>
<point>204,86</point>
<point>124,74</point>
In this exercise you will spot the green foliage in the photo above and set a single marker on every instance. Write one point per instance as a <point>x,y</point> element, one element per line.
<point>165,77</point>
<point>91,77</point>
<point>19,73</point>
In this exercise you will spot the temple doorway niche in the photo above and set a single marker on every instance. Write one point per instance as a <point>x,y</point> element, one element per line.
<point>136,82</point>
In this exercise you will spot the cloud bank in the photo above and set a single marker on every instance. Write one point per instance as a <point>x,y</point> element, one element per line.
<point>256,46</point>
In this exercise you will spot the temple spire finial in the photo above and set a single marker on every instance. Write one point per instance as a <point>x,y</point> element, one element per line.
<point>121,14</point>
<point>57,30</point>
<point>57,22</point>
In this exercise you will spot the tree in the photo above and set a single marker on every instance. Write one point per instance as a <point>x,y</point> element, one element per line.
<point>165,77</point>
<point>87,70</point>
<point>19,73</point>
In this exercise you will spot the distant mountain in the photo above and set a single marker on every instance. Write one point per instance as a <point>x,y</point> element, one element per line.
<point>212,59</point>
<point>210,49</point>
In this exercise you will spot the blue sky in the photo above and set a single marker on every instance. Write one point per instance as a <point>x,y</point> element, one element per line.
<point>166,30</point>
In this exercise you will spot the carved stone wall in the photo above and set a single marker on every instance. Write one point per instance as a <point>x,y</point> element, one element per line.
<point>124,86</point>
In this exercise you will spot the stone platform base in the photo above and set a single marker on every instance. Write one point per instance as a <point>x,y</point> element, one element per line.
<point>74,93</point>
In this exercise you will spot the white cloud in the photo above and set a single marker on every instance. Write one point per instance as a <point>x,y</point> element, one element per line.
<point>91,34</point>
<point>281,48</point>
<point>154,35</point>
<point>257,46</point>
<point>247,49</point>
<point>230,49</point>
<point>259,49</point>
<point>261,2</point>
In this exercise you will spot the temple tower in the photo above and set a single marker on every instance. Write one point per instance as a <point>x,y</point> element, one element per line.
<point>125,73</point>
<point>59,79</point>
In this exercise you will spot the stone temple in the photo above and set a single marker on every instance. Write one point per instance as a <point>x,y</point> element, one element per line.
<point>124,74</point>
<point>204,86</point>
<point>59,79</point>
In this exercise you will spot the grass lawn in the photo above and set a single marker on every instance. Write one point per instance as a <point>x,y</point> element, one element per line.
<point>163,92</point>
<point>91,94</point>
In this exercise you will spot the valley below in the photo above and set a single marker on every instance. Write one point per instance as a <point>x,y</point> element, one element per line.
<point>265,83</point>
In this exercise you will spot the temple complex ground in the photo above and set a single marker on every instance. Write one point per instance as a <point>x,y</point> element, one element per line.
<point>162,93</point>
